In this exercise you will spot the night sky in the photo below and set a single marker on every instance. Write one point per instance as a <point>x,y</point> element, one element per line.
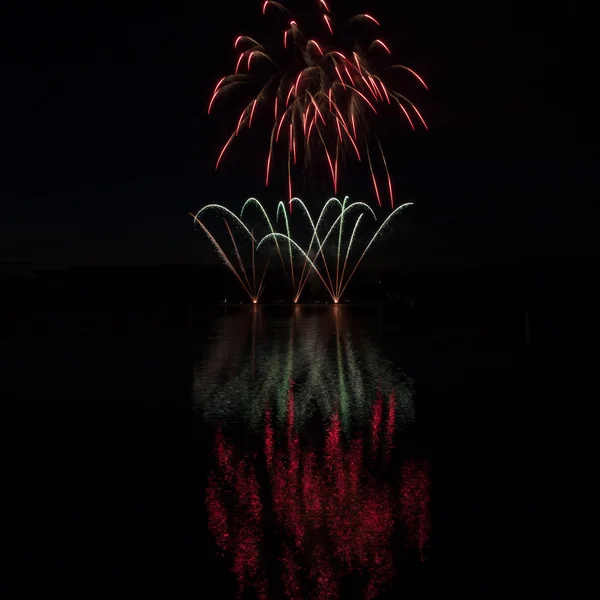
<point>108,145</point>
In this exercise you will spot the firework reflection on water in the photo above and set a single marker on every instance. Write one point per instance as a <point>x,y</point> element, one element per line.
<point>334,363</point>
<point>311,487</point>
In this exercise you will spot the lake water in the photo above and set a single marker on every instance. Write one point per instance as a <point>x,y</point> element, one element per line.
<point>273,452</point>
<point>312,492</point>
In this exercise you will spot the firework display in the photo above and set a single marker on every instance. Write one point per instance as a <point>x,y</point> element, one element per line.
<point>335,277</point>
<point>299,510</point>
<point>319,87</point>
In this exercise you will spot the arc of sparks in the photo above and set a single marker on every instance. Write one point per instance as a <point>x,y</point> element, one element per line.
<point>221,253</point>
<point>225,148</point>
<point>337,268</point>
<point>228,212</point>
<point>380,43</point>
<point>253,266</point>
<point>414,73</point>
<point>281,7</point>
<point>334,291</point>
<point>346,77</point>
<point>375,235</point>
<point>244,38</point>
<point>217,87</point>
<point>389,179</point>
<point>256,202</point>
<point>340,217</point>
<point>398,96</point>
<point>237,253</point>
<point>260,287</point>
<point>373,176</point>
<point>302,282</point>
<point>337,289</point>
<point>366,17</point>
<point>348,250</point>
<point>412,125</point>
<point>363,97</point>
<point>225,84</point>
<point>297,247</point>
<point>281,207</point>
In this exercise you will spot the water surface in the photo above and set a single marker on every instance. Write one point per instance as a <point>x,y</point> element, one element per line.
<point>312,492</point>
<point>275,452</point>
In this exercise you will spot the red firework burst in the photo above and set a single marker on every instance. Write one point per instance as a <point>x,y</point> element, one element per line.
<point>318,95</point>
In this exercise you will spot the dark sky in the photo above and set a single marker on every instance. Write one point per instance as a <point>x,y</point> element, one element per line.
<point>107,145</point>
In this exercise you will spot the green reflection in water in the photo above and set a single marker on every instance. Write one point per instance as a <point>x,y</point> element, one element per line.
<point>251,359</point>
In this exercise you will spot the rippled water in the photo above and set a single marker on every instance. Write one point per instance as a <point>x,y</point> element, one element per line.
<point>312,492</point>
<point>276,452</point>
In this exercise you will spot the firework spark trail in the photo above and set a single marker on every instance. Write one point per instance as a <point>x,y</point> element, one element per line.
<point>260,287</point>
<point>237,253</point>
<point>281,207</point>
<point>382,44</point>
<point>250,289</point>
<point>337,268</point>
<point>314,237</point>
<point>409,70</point>
<point>361,95</point>
<point>292,242</point>
<point>302,280</point>
<point>333,177</point>
<point>373,176</point>
<point>253,266</point>
<point>225,147</point>
<point>366,17</point>
<point>323,89</point>
<point>221,253</point>
<point>341,215</point>
<point>289,176</point>
<point>341,221</point>
<point>336,289</point>
<point>405,112</point>
<point>330,288</point>
<point>340,120</point>
<point>266,216</point>
<point>388,176</point>
<point>220,207</point>
<point>376,234</point>
<point>398,96</point>
<point>335,296</point>
<point>349,247</point>
<point>387,96</point>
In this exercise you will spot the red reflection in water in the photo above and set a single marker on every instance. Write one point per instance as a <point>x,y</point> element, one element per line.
<point>268,438</point>
<point>331,516</point>
<point>376,422</point>
<point>415,502</point>
<point>389,427</point>
<point>239,532</point>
